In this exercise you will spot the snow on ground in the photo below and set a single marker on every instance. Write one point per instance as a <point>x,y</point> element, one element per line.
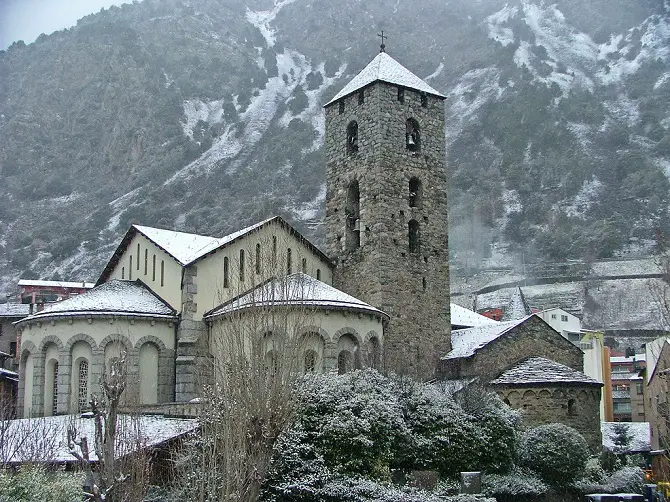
<point>310,210</point>
<point>437,71</point>
<point>623,109</point>
<point>196,110</point>
<point>566,295</point>
<point>584,199</point>
<point>497,32</point>
<point>262,20</point>
<point>511,201</point>
<point>625,267</point>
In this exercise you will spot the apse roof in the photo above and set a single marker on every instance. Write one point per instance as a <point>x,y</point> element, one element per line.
<point>127,298</point>
<point>386,69</point>
<point>300,290</point>
<point>539,370</point>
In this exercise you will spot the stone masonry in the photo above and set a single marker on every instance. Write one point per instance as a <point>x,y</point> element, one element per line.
<point>411,286</point>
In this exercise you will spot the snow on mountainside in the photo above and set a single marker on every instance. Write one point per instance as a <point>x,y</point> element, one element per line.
<point>557,123</point>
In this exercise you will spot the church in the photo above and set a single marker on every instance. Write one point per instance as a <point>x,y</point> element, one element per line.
<point>378,296</point>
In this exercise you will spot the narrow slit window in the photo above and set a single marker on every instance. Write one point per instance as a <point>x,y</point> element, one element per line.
<point>318,274</point>
<point>340,107</point>
<point>146,261</point>
<point>130,267</point>
<point>138,256</point>
<point>226,272</point>
<point>352,211</point>
<point>361,97</point>
<point>258,259</point>
<point>153,268</point>
<point>123,272</point>
<point>304,265</point>
<point>414,238</point>
<point>54,390</point>
<point>352,137</point>
<point>241,265</point>
<point>82,395</point>
<point>162,272</point>
<point>289,261</point>
<point>414,198</point>
<point>401,94</point>
<point>274,251</point>
<point>424,100</point>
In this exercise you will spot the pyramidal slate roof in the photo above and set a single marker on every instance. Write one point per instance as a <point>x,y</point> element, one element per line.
<point>539,370</point>
<point>127,298</point>
<point>386,69</point>
<point>296,290</point>
<point>518,307</point>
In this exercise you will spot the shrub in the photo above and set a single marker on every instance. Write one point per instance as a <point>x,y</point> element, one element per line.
<point>624,480</point>
<point>518,485</point>
<point>558,453</point>
<point>36,483</point>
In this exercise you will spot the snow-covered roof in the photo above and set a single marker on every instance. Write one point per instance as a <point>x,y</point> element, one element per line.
<point>45,439</point>
<point>294,290</point>
<point>383,67</point>
<point>126,298</point>
<point>56,284</point>
<point>518,307</point>
<point>652,351</point>
<point>460,316</point>
<point>14,310</point>
<point>633,437</point>
<point>539,370</point>
<point>465,342</point>
<point>631,359</point>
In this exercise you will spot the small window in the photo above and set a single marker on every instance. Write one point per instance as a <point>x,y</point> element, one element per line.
<point>54,392</point>
<point>226,272</point>
<point>413,235</point>
<point>341,107</point>
<point>572,409</point>
<point>138,256</point>
<point>162,273</point>
<point>289,261</point>
<point>352,137</point>
<point>564,318</point>
<point>361,97</point>
<point>153,268</point>
<point>146,261</point>
<point>424,100</point>
<point>553,316</point>
<point>241,265</point>
<point>424,284</point>
<point>318,274</point>
<point>412,136</point>
<point>130,267</point>
<point>401,94</point>
<point>258,259</point>
<point>82,394</point>
<point>415,193</point>
<point>304,265</point>
<point>123,272</point>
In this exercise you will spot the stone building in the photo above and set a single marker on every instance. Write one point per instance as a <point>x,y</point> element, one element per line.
<point>657,402</point>
<point>533,368</point>
<point>386,208</point>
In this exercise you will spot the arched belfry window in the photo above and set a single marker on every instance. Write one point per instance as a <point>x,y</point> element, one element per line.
<point>352,137</point>
<point>415,193</point>
<point>353,215</point>
<point>412,136</point>
<point>414,237</point>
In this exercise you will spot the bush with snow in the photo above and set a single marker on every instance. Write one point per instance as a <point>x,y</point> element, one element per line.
<point>624,480</point>
<point>32,483</point>
<point>558,453</point>
<point>515,486</point>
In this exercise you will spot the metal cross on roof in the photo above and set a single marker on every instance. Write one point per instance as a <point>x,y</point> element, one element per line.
<point>382,47</point>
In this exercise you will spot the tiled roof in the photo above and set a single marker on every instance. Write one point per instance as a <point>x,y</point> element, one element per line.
<point>14,310</point>
<point>386,69</point>
<point>538,370</point>
<point>460,316</point>
<point>129,298</point>
<point>297,290</point>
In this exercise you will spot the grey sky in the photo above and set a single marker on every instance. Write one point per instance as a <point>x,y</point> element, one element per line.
<point>27,19</point>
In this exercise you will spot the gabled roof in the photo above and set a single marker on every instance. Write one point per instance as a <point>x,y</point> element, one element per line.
<point>460,316</point>
<point>14,310</point>
<point>465,342</point>
<point>187,248</point>
<point>124,298</point>
<point>517,308</point>
<point>539,370</point>
<point>299,290</point>
<point>653,352</point>
<point>386,69</point>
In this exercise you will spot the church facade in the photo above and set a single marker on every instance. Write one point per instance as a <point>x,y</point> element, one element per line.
<point>379,298</point>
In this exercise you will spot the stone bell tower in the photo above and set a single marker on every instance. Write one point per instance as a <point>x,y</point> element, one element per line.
<point>386,208</point>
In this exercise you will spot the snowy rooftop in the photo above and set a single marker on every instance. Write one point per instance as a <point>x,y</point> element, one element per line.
<point>626,437</point>
<point>460,316</point>
<point>540,370</point>
<point>383,67</point>
<point>465,342</point>
<point>47,437</point>
<point>110,298</point>
<point>14,309</point>
<point>298,290</point>
<point>56,284</point>
<point>186,248</point>
<point>518,307</point>
<point>631,360</point>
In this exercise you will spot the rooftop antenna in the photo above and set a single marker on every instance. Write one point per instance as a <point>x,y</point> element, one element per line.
<point>382,47</point>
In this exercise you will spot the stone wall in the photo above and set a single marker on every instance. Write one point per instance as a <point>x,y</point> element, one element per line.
<point>411,286</point>
<point>577,406</point>
<point>533,338</point>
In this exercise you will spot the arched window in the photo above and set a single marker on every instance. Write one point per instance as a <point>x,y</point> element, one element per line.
<point>54,390</point>
<point>82,394</point>
<point>289,261</point>
<point>414,237</point>
<point>310,361</point>
<point>352,137</point>
<point>415,193</point>
<point>258,259</point>
<point>412,136</point>
<point>148,374</point>
<point>241,265</point>
<point>352,212</point>
<point>226,272</point>
<point>344,362</point>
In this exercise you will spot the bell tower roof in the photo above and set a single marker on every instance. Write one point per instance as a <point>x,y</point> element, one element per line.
<point>386,69</point>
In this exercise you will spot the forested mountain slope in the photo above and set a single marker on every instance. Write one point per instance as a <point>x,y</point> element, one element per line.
<point>205,116</point>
